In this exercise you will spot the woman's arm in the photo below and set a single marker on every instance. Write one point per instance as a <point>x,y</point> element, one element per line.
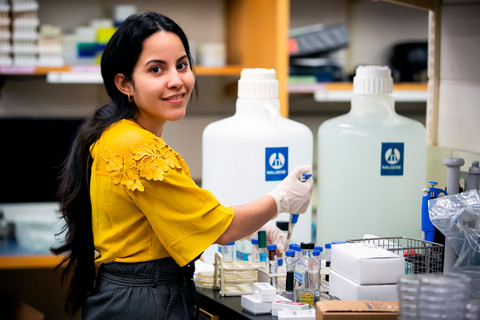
<point>291,195</point>
<point>249,218</point>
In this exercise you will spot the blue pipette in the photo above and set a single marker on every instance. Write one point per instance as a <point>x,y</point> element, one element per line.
<point>294,217</point>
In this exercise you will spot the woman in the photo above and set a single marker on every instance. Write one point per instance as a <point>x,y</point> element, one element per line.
<point>136,220</point>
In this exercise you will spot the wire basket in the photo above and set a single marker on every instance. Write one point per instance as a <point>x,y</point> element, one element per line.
<point>420,256</point>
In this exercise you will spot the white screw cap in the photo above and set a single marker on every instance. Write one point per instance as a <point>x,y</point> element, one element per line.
<point>372,80</point>
<point>258,83</point>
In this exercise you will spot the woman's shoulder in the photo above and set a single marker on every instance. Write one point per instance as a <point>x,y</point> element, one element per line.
<point>124,134</point>
<point>129,151</point>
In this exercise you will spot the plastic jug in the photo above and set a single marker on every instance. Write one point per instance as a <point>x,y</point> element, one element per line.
<point>371,166</point>
<point>245,156</point>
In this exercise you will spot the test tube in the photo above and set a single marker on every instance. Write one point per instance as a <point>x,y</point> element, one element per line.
<point>273,264</point>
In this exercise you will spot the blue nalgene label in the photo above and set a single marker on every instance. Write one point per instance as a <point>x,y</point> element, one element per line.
<point>276,163</point>
<point>392,159</point>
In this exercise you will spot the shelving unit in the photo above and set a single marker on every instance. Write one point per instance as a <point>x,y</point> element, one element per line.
<point>255,38</point>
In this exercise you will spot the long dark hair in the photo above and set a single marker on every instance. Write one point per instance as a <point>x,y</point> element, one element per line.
<point>120,56</point>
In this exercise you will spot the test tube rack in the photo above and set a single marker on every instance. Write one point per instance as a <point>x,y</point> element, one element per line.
<point>233,278</point>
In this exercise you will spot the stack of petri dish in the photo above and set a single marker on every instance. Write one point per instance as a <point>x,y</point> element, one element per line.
<point>407,287</point>
<point>442,296</point>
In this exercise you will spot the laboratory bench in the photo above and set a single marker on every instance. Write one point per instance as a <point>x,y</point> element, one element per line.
<point>225,307</point>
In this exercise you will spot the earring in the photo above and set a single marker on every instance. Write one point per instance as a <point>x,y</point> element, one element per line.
<point>130,98</point>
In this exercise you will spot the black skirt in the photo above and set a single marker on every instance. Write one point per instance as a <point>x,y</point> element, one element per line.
<point>157,289</point>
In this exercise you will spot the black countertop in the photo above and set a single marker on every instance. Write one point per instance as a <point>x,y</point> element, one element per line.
<point>226,307</point>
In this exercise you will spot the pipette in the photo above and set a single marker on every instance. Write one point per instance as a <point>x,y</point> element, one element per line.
<point>294,217</point>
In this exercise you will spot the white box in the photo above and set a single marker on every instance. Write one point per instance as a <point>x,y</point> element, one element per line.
<point>254,305</point>
<point>366,263</point>
<point>346,289</point>
<point>288,305</point>
<point>264,291</point>
<point>296,314</point>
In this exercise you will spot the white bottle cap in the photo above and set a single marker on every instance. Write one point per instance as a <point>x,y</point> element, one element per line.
<point>372,80</point>
<point>258,83</point>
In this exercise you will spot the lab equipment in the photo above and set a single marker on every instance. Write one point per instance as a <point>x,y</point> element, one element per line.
<point>420,256</point>
<point>427,227</point>
<point>473,179</point>
<point>378,159</point>
<point>453,177</point>
<point>246,156</point>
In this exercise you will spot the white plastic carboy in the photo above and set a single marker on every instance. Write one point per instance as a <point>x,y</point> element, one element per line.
<point>246,155</point>
<point>371,165</point>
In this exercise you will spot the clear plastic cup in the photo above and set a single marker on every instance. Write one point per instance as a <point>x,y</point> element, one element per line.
<point>407,287</point>
<point>442,296</point>
<point>473,272</point>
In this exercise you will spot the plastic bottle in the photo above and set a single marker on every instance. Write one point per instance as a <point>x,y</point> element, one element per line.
<point>306,275</point>
<point>245,156</point>
<point>371,165</point>
<point>290,267</point>
<point>273,264</point>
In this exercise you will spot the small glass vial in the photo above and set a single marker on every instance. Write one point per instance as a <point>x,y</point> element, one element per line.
<point>296,248</point>
<point>290,266</point>
<point>262,249</point>
<point>273,265</point>
<point>228,252</point>
<point>328,258</point>
<point>255,251</point>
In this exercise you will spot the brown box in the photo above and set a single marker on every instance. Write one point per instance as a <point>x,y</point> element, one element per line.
<point>356,310</point>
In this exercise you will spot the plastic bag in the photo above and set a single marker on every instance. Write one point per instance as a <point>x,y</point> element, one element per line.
<point>458,218</point>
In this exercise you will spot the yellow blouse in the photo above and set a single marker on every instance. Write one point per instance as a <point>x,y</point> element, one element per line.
<point>145,205</point>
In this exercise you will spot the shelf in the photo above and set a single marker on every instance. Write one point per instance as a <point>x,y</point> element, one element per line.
<point>12,256</point>
<point>29,261</point>
<point>91,73</point>
<point>343,91</point>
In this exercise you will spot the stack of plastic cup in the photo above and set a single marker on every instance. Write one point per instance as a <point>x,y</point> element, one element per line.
<point>473,272</point>
<point>472,311</point>
<point>442,296</point>
<point>407,287</point>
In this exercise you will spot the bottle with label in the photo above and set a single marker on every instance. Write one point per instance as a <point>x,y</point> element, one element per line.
<point>246,155</point>
<point>376,159</point>
<point>306,274</point>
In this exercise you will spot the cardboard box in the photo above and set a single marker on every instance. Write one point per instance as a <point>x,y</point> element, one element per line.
<point>356,310</point>
<point>366,263</point>
<point>346,289</point>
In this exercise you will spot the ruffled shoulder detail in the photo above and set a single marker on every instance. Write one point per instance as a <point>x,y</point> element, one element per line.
<point>149,161</point>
